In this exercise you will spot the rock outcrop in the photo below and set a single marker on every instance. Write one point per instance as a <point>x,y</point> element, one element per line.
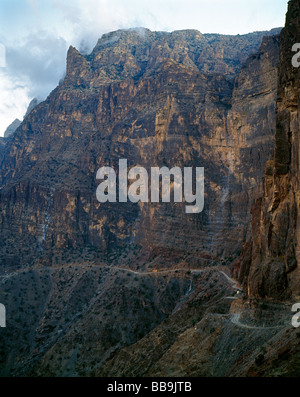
<point>33,104</point>
<point>271,266</point>
<point>11,129</point>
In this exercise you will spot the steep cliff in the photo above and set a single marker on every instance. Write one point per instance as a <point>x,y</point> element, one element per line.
<point>270,268</point>
<point>157,99</point>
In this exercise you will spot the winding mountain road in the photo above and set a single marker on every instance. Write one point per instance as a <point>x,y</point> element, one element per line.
<point>235,319</point>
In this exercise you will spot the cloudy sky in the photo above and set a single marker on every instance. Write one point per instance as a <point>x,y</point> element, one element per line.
<point>37,33</point>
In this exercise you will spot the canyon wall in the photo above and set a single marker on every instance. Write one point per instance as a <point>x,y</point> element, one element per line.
<point>156,99</point>
<point>269,267</point>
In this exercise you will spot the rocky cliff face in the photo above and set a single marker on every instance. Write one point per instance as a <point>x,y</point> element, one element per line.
<point>273,270</point>
<point>139,290</point>
<point>157,99</point>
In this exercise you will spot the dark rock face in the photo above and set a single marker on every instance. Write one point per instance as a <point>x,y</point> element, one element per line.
<point>157,99</point>
<point>273,270</point>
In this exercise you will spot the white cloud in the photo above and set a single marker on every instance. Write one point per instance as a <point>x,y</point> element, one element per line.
<point>33,69</point>
<point>14,100</point>
<point>39,61</point>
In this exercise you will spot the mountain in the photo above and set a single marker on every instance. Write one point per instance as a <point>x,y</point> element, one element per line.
<point>11,129</point>
<point>157,99</point>
<point>144,289</point>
